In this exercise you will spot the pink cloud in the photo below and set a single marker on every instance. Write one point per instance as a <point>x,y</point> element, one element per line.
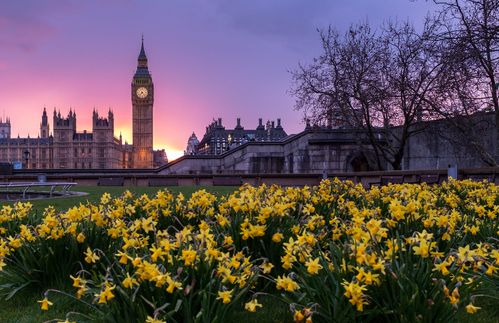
<point>23,34</point>
<point>24,25</point>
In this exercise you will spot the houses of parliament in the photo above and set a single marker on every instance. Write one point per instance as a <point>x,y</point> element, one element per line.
<point>65,148</point>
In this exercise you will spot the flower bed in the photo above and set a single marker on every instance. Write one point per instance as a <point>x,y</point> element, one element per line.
<point>335,252</point>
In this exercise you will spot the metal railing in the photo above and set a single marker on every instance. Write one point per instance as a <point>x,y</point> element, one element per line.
<point>24,187</point>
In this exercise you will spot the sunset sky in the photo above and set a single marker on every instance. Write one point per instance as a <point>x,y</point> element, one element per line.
<point>208,58</point>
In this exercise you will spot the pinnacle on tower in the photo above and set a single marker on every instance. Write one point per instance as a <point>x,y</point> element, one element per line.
<point>142,54</point>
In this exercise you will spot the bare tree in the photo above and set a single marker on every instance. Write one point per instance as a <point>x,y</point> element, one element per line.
<point>469,37</point>
<point>377,81</point>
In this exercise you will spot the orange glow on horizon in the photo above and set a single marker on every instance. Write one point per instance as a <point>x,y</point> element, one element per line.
<point>172,152</point>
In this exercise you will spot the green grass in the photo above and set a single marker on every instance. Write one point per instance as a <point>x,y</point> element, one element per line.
<point>95,193</point>
<point>23,308</point>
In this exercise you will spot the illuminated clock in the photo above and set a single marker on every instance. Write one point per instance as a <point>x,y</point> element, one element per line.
<point>142,92</point>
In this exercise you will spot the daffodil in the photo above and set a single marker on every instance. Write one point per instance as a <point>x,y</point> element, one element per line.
<point>277,237</point>
<point>91,257</point>
<point>313,266</point>
<point>251,306</point>
<point>266,267</point>
<point>151,319</point>
<point>472,309</point>
<point>225,296</point>
<point>45,303</point>
<point>106,294</point>
<point>129,281</point>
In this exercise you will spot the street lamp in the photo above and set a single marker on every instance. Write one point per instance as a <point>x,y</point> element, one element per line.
<point>26,158</point>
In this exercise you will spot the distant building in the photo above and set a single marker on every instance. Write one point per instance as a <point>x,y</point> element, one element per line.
<point>68,149</point>
<point>5,128</point>
<point>192,143</point>
<point>218,140</point>
<point>159,158</point>
<point>81,150</point>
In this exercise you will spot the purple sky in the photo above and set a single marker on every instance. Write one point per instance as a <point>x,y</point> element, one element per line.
<point>208,58</point>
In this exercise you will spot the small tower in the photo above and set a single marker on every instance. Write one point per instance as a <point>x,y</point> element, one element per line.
<point>44,125</point>
<point>192,143</point>
<point>64,130</point>
<point>66,125</point>
<point>102,128</point>
<point>5,128</point>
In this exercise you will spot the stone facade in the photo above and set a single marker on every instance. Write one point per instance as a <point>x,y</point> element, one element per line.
<point>66,148</point>
<point>218,140</point>
<point>81,150</point>
<point>311,151</point>
<point>436,145</point>
<point>439,143</point>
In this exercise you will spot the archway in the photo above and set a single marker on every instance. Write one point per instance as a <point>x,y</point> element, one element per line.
<point>359,164</point>
<point>360,161</point>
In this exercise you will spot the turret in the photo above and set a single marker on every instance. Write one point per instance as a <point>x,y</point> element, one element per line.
<point>110,118</point>
<point>44,125</point>
<point>5,128</point>
<point>142,68</point>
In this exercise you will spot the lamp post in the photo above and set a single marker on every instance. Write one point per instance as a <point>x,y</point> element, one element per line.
<point>229,141</point>
<point>26,158</point>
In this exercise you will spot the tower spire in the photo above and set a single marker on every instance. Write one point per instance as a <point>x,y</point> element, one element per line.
<point>142,61</point>
<point>142,55</point>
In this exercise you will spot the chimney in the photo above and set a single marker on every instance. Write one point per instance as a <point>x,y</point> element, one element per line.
<point>260,123</point>
<point>220,122</point>
<point>278,122</point>
<point>238,122</point>
<point>273,124</point>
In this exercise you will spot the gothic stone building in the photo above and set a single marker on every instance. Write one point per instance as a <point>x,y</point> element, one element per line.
<point>66,148</point>
<point>80,150</point>
<point>218,140</point>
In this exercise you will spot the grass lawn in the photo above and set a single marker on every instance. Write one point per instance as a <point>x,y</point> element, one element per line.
<point>95,193</point>
<point>24,308</point>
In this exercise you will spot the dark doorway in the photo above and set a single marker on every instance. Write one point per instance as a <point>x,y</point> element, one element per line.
<point>359,164</point>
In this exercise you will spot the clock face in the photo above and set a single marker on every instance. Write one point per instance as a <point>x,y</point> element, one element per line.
<point>142,92</point>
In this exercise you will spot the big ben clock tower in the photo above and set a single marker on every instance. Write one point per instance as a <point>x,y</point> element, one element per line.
<point>142,102</point>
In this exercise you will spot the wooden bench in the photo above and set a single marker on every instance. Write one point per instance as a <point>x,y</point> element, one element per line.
<point>414,179</point>
<point>111,181</point>
<point>479,177</point>
<point>430,179</point>
<point>227,181</point>
<point>385,180</point>
<point>163,181</point>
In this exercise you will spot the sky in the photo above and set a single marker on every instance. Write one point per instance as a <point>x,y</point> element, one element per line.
<point>209,59</point>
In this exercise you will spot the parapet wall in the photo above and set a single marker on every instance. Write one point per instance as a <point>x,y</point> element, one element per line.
<point>367,179</point>
<point>312,151</point>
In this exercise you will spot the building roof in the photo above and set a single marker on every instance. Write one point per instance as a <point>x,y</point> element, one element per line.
<point>25,141</point>
<point>83,136</point>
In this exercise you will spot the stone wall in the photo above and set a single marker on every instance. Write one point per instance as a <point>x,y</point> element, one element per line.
<point>322,151</point>
<point>310,152</point>
<point>440,144</point>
